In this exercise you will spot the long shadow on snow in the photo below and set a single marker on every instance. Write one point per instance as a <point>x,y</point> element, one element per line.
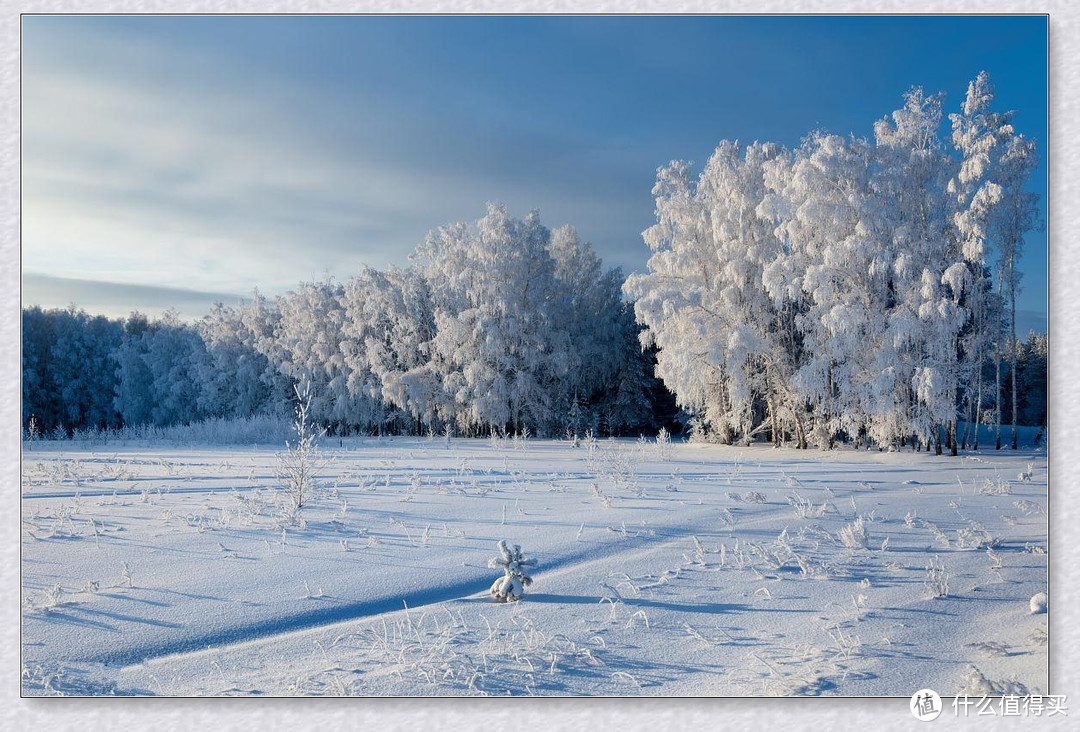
<point>474,584</point>
<point>273,626</point>
<point>713,608</point>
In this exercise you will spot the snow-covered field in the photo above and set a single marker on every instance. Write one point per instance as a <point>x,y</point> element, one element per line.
<point>686,570</point>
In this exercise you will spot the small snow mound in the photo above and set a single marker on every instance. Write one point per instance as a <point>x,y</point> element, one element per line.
<point>1038,603</point>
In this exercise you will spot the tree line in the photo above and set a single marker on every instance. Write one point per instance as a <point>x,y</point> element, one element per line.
<point>846,290</point>
<point>500,325</point>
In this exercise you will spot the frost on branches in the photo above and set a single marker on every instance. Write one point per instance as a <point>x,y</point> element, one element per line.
<point>842,290</point>
<point>301,461</point>
<point>511,586</point>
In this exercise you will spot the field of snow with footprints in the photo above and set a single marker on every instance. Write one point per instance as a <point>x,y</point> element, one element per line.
<point>663,569</point>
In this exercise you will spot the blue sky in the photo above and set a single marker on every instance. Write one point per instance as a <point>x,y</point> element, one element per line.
<point>172,160</point>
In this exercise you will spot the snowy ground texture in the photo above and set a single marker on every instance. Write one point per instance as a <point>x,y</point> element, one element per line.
<point>663,570</point>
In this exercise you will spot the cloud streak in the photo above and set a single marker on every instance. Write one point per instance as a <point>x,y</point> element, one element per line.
<point>118,300</point>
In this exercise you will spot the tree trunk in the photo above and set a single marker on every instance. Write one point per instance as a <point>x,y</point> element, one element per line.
<point>978,403</point>
<point>997,392</point>
<point>1012,352</point>
<point>800,434</point>
<point>997,408</point>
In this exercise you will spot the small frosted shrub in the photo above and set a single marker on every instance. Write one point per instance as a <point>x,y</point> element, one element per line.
<point>511,586</point>
<point>663,444</point>
<point>299,464</point>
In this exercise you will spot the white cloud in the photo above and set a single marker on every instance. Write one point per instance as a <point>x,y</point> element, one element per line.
<point>191,184</point>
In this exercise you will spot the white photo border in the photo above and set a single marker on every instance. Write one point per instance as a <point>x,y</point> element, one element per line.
<point>384,715</point>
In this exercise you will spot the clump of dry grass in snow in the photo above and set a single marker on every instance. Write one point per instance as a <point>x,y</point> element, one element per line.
<point>975,684</point>
<point>805,508</point>
<point>854,535</point>
<point>937,579</point>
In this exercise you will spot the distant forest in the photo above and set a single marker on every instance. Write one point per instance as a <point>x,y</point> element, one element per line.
<point>501,325</point>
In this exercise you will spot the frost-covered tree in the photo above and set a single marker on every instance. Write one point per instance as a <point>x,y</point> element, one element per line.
<point>389,324</point>
<point>1016,215</point>
<point>134,380</point>
<point>36,337</point>
<point>976,132</point>
<point>587,306</point>
<point>83,356</point>
<point>912,172</point>
<point>259,319</point>
<point>628,402</point>
<point>176,355</point>
<point>833,265</point>
<point>310,343</point>
<point>496,350</point>
<point>720,335</point>
<point>1031,375</point>
<point>158,368</point>
<point>234,380</point>
<point>68,370</point>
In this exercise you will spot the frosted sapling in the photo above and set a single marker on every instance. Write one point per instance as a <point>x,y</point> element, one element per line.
<point>511,586</point>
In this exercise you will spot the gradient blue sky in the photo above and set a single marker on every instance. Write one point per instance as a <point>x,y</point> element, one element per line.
<point>172,160</point>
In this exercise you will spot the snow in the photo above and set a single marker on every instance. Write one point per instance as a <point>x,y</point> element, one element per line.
<point>687,570</point>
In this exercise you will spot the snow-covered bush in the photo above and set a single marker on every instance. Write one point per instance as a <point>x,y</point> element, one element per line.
<point>511,586</point>
<point>521,439</point>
